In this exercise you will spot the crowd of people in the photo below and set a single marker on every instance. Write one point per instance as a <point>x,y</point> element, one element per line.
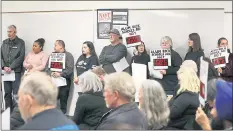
<point>107,98</point>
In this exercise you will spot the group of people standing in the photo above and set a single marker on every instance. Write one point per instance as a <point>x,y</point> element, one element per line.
<point>98,110</point>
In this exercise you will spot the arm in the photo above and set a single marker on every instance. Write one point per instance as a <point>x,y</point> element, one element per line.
<point>176,63</point>
<point>228,69</point>
<point>79,110</point>
<point>47,69</point>
<point>25,64</point>
<point>67,72</point>
<point>18,61</point>
<point>120,53</point>
<point>43,63</point>
<point>101,57</point>
<point>2,61</point>
<point>178,106</point>
<point>93,62</point>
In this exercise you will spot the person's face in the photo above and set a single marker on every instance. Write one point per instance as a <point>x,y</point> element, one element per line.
<point>190,43</point>
<point>114,37</point>
<point>109,97</point>
<point>85,49</point>
<point>223,43</point>
<point>11,33</point>
<point>165,45</point>
<point>213,111</point>
<point>140,96</point>
<point>25,103</point>
<point>141,48</point>
<point>36,48</point>
<point>57,47</point>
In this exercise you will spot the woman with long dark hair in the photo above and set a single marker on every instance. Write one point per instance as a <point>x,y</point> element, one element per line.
<point>87,60</point>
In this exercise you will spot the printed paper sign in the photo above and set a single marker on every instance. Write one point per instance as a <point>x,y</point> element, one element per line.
<point>161,58</point>
<point>204,66</point>
<point>218,57</point>
<point>131,35</point>
<point>104,16</point>
<point>57,61</point>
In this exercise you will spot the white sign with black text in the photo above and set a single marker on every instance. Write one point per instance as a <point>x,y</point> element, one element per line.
<point>219,57</point>
<point>57,61</point>
<point>161,58</point>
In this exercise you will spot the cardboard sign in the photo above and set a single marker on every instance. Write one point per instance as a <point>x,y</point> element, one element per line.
<point>57,61</point>
<point>218,57</point>
<point>204,66</point>
<point>161,58</point>
<point>131,35</point>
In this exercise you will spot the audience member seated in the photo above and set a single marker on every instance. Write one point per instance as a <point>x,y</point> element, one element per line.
<point>222,108</point>
<point>119,92</point>
<point>100,72</point>
<point>153,102</point>
<point>37,104</point>
<point>36,59</point>
<point>184,104</point>
<point>90,106</point>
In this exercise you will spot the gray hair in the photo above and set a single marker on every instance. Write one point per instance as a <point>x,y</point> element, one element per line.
<point>166,38</point>
<point>211,89</point>
<point>191,64</point>
<point>155,103</point>
<point>89,81</point>
<point>40,86</point>
<point>121,82</point>
<point>12,26</point>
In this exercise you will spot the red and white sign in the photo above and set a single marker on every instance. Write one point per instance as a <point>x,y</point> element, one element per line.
<point>104,16</point>
<point>219,57</point>
<point>161,58</point>
<point>131,35</point>
<point>57,61</point>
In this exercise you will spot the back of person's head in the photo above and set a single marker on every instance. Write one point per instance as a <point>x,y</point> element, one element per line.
<point>40,42</point>
<point>188,80</point>
<point>90,82</point>
<point>153,102</point>
<point>191,64</point>
<point>40,87</point>
<point>196,42</point>
<point>121,82</point>
<point>98,70</point>
<point>211,89</point>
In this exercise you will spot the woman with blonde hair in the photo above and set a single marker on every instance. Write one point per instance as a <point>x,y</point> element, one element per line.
<point>184,104</point>
<point>153,102</point>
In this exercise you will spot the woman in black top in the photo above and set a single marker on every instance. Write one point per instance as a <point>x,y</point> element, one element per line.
<point>141,57</point>
<point>87,60</point>
<point>195,50</point>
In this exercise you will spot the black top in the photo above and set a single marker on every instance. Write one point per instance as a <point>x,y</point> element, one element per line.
<point>183,110</point>
<point>140,59</point>
<point>84,64</point>
<point>90,107</point>
<point>15,119</point>
<point>227,72</point>
<point>51,119</point>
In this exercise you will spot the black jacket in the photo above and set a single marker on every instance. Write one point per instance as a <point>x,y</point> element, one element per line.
<point>195,56</point>
<point>15,119</point>
<point>170,79</point>
<point>183,110</point>
<point>125,117</point>
<point>227,72</point>
<point>12,54</point>
<point>140,59</point>
<point>90,107</point>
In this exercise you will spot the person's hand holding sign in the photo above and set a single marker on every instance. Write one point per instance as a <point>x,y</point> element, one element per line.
<point>56,74</point>
<point>163,72</point>
<point>202,119</point>
<point>220,70</point>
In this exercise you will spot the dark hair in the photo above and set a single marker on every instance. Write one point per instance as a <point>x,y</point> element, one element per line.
<point>220,40</point>
<point>91,46</point>
<point>62,43</point>
<point>40,42</point>
<point>142,43</point>
<point>196,42</point>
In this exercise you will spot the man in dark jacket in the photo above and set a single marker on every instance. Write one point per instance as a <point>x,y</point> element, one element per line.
<point>15,119</point>
<point>124,114</point>
<point>12,57</point>
<point>112,53</point>
<point>66,73</point>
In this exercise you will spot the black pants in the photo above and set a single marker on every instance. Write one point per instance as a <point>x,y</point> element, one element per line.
<point>10,86</point>
<point>63,95</point>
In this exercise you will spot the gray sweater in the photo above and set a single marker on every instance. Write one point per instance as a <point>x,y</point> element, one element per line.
<point>111,54</point>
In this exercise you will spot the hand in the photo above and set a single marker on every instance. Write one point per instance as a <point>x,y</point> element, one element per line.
<point>56,74</point>
<point>30,67</point>
<point>7,69</point>
<point>163,72</point>
<point>220,70</point>
<point>76,80</point>
<point>202,119</point>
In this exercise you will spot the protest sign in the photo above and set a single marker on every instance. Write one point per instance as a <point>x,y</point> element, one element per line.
<point>57,61</point>
<point>131,35</point>
<point>204,66</point>
<point>161,58</point>
<point>219,57</point>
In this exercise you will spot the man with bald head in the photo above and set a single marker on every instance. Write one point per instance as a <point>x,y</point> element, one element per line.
<point>12,57</point>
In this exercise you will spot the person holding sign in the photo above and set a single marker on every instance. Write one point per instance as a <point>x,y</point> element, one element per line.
<point>195,50</point>
<point>56,70</point>
<point>12,57</point>
<point>112,53</point>
<point>169,80</point>
<point>227,72</point>
<point>141,57</point>
<point>87,60</point>
<point>37,59</point>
